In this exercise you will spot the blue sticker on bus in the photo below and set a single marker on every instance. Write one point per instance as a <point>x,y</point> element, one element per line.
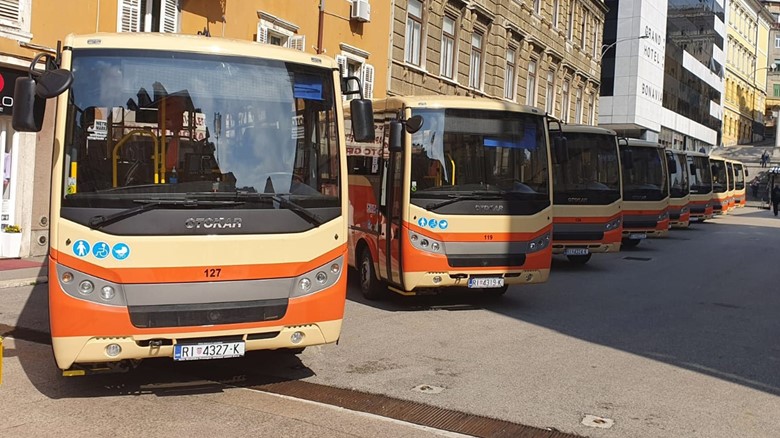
<point>101,250</point>
<point>433,223</point>
<point>120,251</point>
<point>443,224</point>
<point>81,248</point>
<point>422,222</point>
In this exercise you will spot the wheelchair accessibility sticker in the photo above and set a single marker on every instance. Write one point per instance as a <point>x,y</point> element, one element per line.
<point>81,248</point>
<point>433,223</point>
<point>120,251</point>
<point>101,250</point>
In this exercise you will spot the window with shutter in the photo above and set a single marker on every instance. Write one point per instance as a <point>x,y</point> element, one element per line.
<point>9,13</point>
<point>367,78</point>
<point>262,34</point>
<point>169,11</point>
<point>129,18</point>
<point>298,43</point>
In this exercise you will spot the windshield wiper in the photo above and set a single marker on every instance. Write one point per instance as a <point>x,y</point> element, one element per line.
<point>285,202</point>
<point>99,221</point>
<point>473,196</point>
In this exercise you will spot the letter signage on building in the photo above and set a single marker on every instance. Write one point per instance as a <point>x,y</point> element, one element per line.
<point>7,82</point>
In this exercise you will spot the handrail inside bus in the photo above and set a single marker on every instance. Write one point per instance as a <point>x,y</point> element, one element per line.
<point>121,142</point>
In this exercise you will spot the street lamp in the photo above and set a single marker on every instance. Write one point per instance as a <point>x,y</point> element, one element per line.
<point>606,47</point>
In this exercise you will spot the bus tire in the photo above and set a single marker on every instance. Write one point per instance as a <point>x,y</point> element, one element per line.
<point>630,243</point>
<point>298,350</point>
<point>579,259</point>
<point>369,284</point>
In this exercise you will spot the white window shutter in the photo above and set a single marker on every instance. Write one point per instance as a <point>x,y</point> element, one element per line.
<point>169,13</point>
<point>128,19</point>
<point>342,61</point>
<point>262,34</point>
<point>10,12</point>
<point>298,42</point>
<point>367,78</point>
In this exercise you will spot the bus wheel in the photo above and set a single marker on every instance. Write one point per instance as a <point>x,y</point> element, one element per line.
<point>369,284</point>
<point>630,243</point>
<point>579,259</point>
<point>298,350</point>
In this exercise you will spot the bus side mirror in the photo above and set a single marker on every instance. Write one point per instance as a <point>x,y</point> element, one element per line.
<point>52,83</point>
<point>746,172</point>
<point>29,108</point>
<point>362,113</point>
<point>692,168</point>
<point>414,124</point>
<point>396,141</point>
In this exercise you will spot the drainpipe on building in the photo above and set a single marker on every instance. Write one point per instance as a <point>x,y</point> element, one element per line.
<point>320,27</point>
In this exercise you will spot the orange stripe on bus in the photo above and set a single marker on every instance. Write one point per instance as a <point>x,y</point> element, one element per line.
<point>585,220</point>
<point>73,317</point>
<point>479,237</point>
<point>183,274</point>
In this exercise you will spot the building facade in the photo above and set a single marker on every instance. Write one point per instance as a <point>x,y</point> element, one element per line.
<point>773,70</point>
<point>748,26</point>
<point>668,71</point>
<point>540,53</point>
<point>354,32</point>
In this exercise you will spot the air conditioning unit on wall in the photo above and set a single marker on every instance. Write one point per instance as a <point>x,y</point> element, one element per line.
<point>360,10</point>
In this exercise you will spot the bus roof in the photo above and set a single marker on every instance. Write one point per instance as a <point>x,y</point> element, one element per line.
<point>588,129</point>
<point>695,154</point>
<point>635,142</point>
<point>717,158</point>
<point>439,101</point>
<point>195,44</point>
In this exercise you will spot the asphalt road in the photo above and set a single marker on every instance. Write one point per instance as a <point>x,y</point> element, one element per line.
<point>678,337</point>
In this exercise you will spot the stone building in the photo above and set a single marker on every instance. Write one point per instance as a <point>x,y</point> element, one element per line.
<point>540,53</point>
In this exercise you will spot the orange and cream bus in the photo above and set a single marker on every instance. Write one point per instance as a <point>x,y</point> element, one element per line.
<point>587,192</point>
<point>198,209</point>
<point>732,185</point>
<point>720,185</point>
<point>739,183</point>
<point>700,172</point>
<point>645,191</point>
<point>455,192</point>
<point>679,189</point>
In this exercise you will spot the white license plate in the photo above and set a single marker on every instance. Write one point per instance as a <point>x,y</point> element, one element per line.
<point>576,251</point>
<point>486,282</point>
<point>637,236</point>
<point>215,350</point>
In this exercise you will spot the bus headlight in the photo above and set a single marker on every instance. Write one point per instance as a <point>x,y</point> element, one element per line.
<point>318,278</point>
<point>86,287</point>
<point>684,210</point>
<point>107,293</point>
<point>663,216</point>
<point>426,244</point>
<point>613,224</point>
<point>539,243</point>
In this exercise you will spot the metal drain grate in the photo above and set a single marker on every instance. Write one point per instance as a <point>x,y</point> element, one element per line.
<point>639,259</point>
<point>409,411</point>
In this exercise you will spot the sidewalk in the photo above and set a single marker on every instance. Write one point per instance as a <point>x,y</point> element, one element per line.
<point>23,272</point>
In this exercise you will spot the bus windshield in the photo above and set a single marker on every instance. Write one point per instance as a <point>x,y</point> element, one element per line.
<point>589,171</point>
<point>678,175</point>
<point>644,178</point>
<point>719,176</point>
<point>739,177</point>
<point>461,151</point>
<point>701,175</point>
<point>167,127</point>
<point>730,170</point>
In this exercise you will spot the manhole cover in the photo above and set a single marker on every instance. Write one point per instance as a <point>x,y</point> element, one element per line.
<point>596,421</point>
<point>428,389</point>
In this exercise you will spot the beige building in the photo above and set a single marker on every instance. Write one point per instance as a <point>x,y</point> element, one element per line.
<point>541,53</point>
<point>747,51</point>
<point>355,32</point>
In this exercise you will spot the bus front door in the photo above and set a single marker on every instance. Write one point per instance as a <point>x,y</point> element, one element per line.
<point>390,235</point>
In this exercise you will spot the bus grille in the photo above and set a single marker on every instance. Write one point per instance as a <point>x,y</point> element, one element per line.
<point>485,260</point>
<point>639,224</point>
<point>183,315</point>
<point>577,235</point>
